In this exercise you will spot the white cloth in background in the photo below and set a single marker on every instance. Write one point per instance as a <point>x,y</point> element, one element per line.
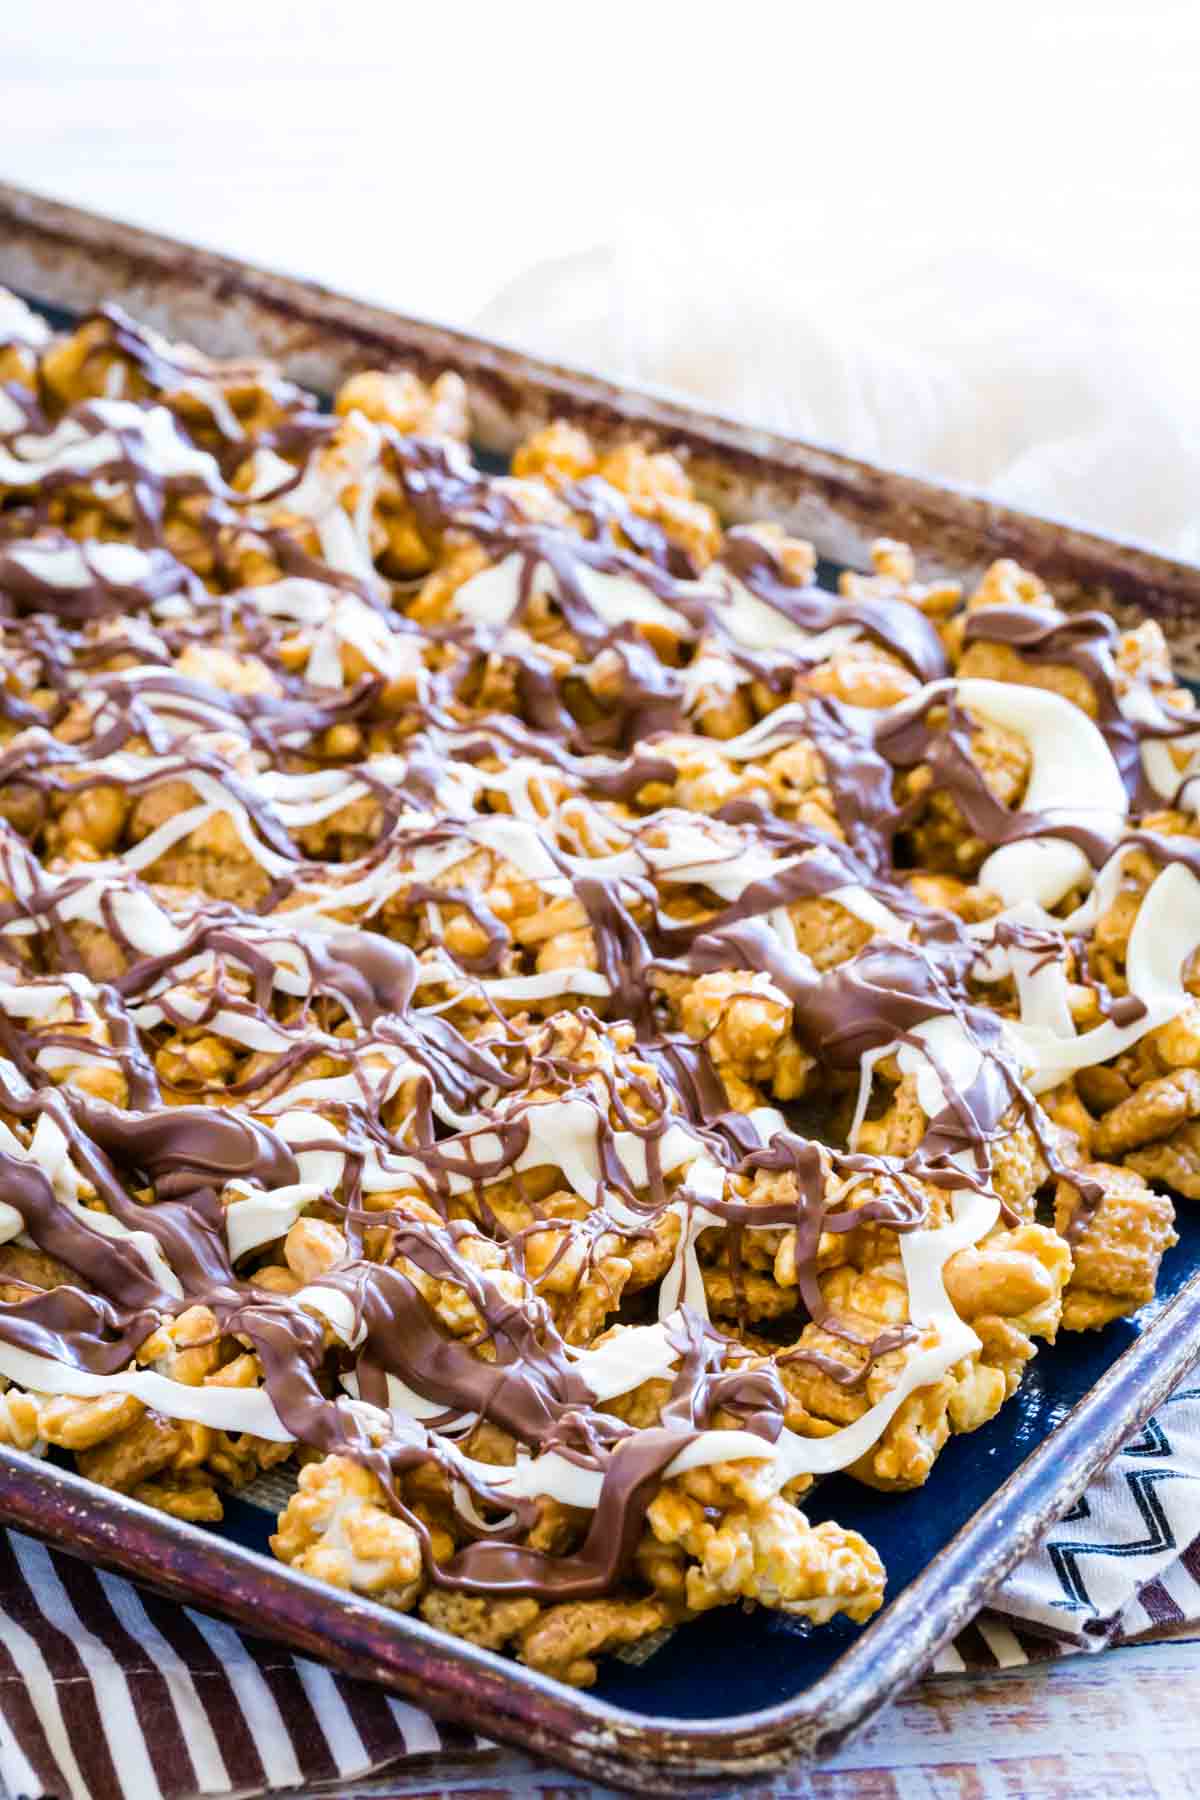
<point>969,368</point>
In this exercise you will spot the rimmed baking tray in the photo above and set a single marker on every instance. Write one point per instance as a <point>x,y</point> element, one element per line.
<point>734,1695</point>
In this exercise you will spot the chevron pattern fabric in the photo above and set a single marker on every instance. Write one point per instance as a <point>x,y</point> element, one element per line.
<point>1124,1562</point>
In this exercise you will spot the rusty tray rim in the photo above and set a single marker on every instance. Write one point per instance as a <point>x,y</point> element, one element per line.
<point>71,258</point>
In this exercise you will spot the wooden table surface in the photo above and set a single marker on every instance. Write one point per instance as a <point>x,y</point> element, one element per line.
<point>1120,1725</point>
<point>346,145</point>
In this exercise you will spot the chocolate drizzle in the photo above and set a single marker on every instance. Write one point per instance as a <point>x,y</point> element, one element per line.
<point>1086,642</point>
<point>395,830</point>
<point>903,630</point>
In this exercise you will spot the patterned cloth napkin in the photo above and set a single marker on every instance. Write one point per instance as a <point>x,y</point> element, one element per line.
<point>110,1693</point>
<point>1124,1562</point>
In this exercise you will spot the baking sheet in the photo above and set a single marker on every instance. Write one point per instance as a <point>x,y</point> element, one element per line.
<point>735,1693</point>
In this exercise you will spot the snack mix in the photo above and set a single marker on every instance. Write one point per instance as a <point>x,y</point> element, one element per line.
<point>521,1004</point>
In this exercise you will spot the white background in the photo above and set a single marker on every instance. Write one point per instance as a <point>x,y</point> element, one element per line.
<point>426,155</point>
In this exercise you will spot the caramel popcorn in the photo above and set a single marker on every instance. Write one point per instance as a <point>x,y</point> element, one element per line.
<point>524,1006</point>
<point>338,1528</point>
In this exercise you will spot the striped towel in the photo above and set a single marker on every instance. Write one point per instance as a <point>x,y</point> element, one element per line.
<point>110,1693</point>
